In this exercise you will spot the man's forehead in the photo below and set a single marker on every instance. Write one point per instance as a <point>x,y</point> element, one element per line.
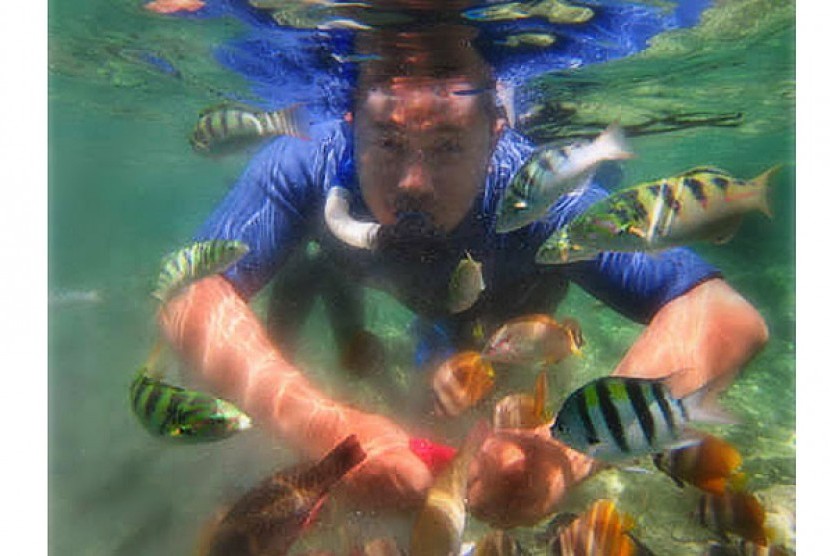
<point>410,102</point>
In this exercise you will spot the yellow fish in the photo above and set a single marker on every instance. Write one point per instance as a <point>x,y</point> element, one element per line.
<point>466,285</point>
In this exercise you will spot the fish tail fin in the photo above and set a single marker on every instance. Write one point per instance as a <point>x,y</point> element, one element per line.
<point>762,182</point>
<point>339,461</point>
<point>612,143</point>
<point>297,121</point>
<point>703,407</point>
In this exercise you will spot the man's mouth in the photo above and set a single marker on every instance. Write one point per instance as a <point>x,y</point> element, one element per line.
<point>413,236</point>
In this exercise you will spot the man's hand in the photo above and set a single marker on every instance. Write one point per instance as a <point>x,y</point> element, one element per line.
<point>519,476</point>
<point>708,334</point>
<point>392,476</point>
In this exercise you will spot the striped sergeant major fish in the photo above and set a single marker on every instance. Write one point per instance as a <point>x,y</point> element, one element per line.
<point>614,419</point>
<point>228,127</point>
<point>198,260</point>
<point>184,415</point>
<point>701,204</point>
<point>552,172</point>
<point>269,518</point>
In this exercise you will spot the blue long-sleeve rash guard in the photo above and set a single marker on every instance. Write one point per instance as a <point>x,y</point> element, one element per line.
<point>277,204</point>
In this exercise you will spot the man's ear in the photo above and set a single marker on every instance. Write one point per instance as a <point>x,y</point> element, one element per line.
<point>498,126</point>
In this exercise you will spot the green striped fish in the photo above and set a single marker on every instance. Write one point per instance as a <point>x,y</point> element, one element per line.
<point>228,126</point>
<point>185,266</point>
<point>701,204</point>
<point>617,418</point>
<point>187,415</point>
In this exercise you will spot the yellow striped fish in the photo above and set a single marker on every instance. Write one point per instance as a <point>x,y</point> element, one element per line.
<point>228,126</point>
<point>701,204</point>
<point>186,415</point>
<point>189,264</point>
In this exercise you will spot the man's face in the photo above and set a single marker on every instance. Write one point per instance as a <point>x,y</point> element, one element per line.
<point>423,146</point>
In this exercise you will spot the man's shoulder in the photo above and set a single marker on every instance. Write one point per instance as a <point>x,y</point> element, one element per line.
<point>291,160</point>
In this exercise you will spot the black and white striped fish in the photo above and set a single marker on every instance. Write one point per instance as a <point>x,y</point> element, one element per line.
<point>185,266</point>
<point>227,127</point>
<point>187,415</point>
<point>619,418</point>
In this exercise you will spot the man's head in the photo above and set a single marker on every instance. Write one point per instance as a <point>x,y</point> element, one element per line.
<point>426,124</point>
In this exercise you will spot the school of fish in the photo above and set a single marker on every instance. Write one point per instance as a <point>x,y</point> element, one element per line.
<point>615,420</point>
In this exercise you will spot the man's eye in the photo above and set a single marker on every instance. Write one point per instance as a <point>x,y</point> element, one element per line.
<point>391,144</point>
<point>449,146</point>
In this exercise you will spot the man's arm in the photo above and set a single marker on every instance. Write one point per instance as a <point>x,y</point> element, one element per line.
<point>702,337</point>
<point>223,342</point>
<point>707,334</point>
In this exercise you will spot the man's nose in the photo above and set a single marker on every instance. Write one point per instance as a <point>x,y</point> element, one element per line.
<point>417,179</point>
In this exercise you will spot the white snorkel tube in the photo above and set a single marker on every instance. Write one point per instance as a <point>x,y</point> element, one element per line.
<point>362,235</point>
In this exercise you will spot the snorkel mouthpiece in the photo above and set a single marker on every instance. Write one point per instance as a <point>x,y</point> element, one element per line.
<point>362,235</point>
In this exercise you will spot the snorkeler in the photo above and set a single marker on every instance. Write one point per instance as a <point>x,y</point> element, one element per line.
<point>427,155</point>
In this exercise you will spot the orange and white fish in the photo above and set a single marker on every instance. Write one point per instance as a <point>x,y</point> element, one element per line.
<point>710,465</point>
<point>440,524</point>
<point>534,339</point>
<point>461,382</point>
<point>737,513</point>
<point>524,411</point>
<point>599,531</point>
<point>271,516</point>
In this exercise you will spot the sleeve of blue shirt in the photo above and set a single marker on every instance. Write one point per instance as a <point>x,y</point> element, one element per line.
<point>268,208</point>
<point>635,284</point>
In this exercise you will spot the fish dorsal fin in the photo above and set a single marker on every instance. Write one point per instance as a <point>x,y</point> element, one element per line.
<point>227,105</point>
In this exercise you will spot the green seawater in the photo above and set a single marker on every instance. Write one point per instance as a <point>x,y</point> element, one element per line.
<point>126,188</point>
